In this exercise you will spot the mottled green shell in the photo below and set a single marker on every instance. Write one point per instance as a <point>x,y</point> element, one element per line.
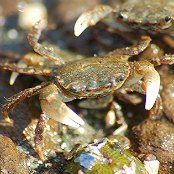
<point>93,76</point>
<point>154,15</point>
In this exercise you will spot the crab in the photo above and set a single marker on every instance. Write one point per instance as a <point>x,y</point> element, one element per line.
<point>92,78</point>
<point>149,15</point>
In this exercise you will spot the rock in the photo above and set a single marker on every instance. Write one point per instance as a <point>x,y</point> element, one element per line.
<point>157,138</point>
<point>11,161</point>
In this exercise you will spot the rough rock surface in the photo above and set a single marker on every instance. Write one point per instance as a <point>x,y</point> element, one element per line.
<point>11,161</point>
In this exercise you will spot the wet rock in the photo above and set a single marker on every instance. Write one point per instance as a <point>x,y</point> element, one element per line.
<point>103,158</point>
<point>11,161</point>
<point>157,138</point>
<point>167,93</point>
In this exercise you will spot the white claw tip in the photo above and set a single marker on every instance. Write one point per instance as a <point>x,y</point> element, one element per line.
<point>13,78</point>
<point>75,120</point>
<point>80,25</point>
<point>152,88</point>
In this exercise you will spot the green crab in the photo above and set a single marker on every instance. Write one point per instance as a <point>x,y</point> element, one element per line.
<point>91,78</point>
<point>149,15</point>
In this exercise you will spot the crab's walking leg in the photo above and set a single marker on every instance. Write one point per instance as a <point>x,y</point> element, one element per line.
<point>33,38</point>
<point>115,116</point>
<point>23,69</point>
<point>15,99</point>
<point>38,138</point>
<point>53,107</point>
<point>167,59</point>
<point>29,64</point>
<point>125,53</point>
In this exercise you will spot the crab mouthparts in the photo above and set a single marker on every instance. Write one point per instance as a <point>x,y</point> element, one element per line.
<point>152,81</point>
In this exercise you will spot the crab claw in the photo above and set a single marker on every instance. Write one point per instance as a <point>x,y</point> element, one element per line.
<point>58,111</point>
<point>152,81</point>
<point>53,107</point>
<point>91,17</point>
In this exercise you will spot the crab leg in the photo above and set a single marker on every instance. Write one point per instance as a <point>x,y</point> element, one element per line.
<point>39,64</point>
<point>53,107</point>
<point>125,53</point>
<point>24,69</point>
<point>38,138</point>
<point>167,59</point>
<point>33,38</point>
<point>15,99</point>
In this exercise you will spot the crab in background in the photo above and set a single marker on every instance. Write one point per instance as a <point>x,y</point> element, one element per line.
<point>152,16</point>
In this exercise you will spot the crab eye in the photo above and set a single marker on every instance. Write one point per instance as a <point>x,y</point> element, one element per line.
<point>168,19</point>
<point>121,16</point>
<point>121,77</point>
